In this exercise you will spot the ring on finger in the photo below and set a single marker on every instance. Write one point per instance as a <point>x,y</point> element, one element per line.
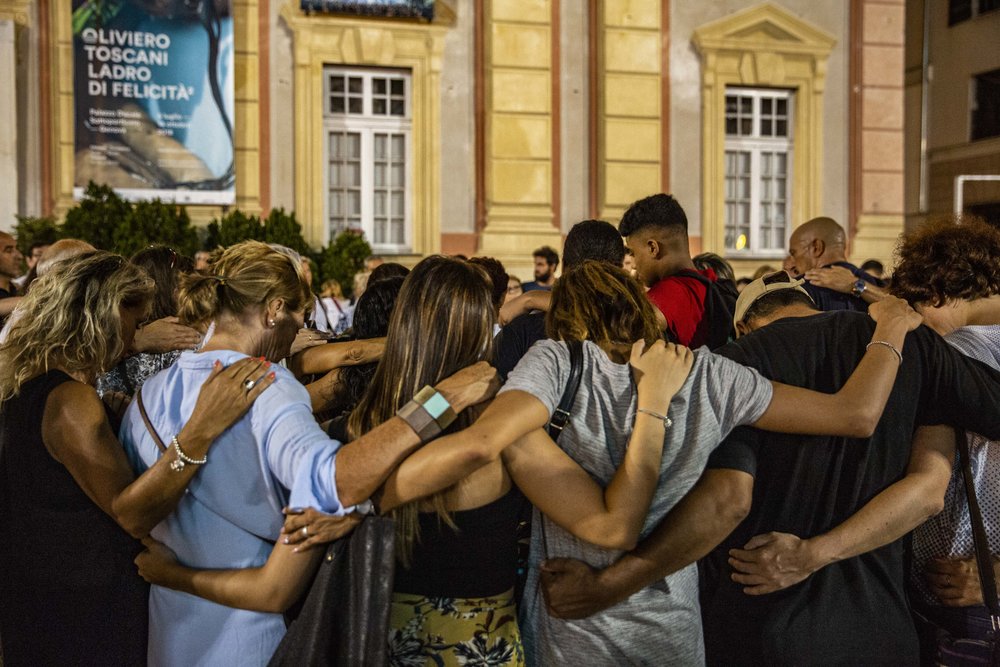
<point>305,530</point>
<point>249,384</point>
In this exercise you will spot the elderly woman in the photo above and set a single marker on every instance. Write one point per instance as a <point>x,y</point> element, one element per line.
<point>69,504</point>
<point>276,456</point>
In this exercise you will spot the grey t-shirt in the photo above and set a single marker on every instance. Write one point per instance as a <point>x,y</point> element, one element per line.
<point>660,624</point>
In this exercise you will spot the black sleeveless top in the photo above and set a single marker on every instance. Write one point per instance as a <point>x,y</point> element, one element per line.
<point>71,593</point>
<point>476,561</point>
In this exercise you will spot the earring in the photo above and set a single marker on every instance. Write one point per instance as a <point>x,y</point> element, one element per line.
<point>270,322</point>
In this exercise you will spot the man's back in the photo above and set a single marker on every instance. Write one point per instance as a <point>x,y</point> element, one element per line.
<point>854,611</point>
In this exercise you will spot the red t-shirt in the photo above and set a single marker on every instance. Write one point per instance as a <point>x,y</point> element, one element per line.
<point>681,299</point>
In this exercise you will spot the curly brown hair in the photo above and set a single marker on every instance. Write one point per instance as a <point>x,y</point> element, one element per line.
<point>948,259</point>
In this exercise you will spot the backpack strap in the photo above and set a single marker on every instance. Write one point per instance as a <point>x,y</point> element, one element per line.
<point>562,412</point>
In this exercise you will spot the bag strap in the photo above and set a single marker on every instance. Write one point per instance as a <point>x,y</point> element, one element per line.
<point>984,561</point>
<point>149,424</point>
<point>562,412</point>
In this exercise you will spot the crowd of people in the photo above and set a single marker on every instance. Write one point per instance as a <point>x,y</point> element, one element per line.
<point>638,461</point>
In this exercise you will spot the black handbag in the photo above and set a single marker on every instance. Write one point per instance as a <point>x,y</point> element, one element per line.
<point>344,619</point>
<point>959,651</point>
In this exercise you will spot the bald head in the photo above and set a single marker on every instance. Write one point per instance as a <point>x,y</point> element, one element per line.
<point>816,243</point>
<point>60,250</point>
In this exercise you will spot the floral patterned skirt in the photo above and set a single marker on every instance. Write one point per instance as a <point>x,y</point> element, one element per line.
<point>480,632</point>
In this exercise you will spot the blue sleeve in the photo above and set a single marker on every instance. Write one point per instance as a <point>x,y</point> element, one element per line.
<point>299,454</point>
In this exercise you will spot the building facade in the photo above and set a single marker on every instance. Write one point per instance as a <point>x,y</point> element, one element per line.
<point>497,125</point>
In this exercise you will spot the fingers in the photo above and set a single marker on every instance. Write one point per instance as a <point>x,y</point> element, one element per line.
<point>749,579</point>
<point>756,542</point>
<point>637,349</point>
<point>762,589</point>
<point>748,564</point>
<point>260,385</point>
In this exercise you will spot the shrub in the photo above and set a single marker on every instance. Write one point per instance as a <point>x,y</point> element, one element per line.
<point>30,230</point>
<point>344,257</point>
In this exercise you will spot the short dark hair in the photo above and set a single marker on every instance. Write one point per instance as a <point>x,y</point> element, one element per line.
<point>593,239</point>
<point>772,301</point>
<point>709,260</point>
<point>873,264</point>
<point>388,270</point>
<point>660,210</point>
<point>550,255</point>
<point>498,277</point>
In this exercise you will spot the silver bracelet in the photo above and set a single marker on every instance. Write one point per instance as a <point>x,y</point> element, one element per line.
<point>182,458</point>
<point>899,355</point>
<point>667,421</point>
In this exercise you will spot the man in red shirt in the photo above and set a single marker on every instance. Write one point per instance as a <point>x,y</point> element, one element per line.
<point>655,230</point>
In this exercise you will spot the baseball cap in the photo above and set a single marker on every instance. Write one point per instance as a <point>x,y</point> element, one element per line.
<point>772,282</point>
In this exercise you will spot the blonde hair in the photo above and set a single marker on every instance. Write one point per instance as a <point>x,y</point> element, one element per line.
<point>601,303</point>
<point>246,274</point>
<point>442,322</point>
<point>71,318</point>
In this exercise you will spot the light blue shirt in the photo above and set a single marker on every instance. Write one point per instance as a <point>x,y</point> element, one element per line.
<point>230,516</point>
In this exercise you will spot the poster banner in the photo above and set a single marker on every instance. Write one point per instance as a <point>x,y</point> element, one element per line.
<point>153,99</point>
<point>419,9</point>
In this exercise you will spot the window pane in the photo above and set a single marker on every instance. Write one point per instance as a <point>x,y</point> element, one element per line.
<point>354,202</point>
<point>986,111</point>
<point>781,128</point>
<point>398,152</point>
<point>746,126</point>
<point>744,162</point>
<point>397,87</point>
<point>397,108</point>
<point>355,85</point>
<point>379,175</point>
<point>731,126</point>
<point>746,106</point>
<point>397,175</point>
<point>397,203</point>
<point>380,146</point>
<point>336,84</point>
<point>959,10</point>
<point>378,106</point>
<point>744,188</point>
<point>765,127</point>
<point>336,105</point>
<point>335,204</point>
<point>354,145</point>
<point>380,203</point>
<point>765,106</point>
<point>378,86</point>
<point>781,163</point>
<point>782,107</point>
<point>355,105</point>
<point>730,104</point>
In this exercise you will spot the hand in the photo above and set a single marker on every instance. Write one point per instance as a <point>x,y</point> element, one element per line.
<point>891,310</point>
<point>117,402</point>
<point>659,371</point>
<point>307,527</point>
<point>836,278</point>
<point>572,589</point>
<point>224,397</point>
<point>469,386</point>
<point>305,339</point>
<point>955,581</point>
<point>772,562</point>
<point>156,562</point>
<point>165,335</point>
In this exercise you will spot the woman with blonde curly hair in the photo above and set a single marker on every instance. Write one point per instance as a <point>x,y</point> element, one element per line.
<point>69,503</point>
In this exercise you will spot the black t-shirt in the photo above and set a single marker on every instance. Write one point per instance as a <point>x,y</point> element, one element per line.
<point>513,341</point>
<point>854,611</point>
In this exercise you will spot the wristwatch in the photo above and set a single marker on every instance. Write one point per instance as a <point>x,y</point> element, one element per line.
<point>859,287</point>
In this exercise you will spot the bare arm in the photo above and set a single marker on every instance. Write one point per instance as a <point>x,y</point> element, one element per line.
<point>8,305</point>
<point>273,587</point>
<point>775,561</point>
<point>610,517</point>
<point>323,358</point>
<point>855,410</point>
<point>76,432</point>
<point>696,525</point>
<point>840,279</point>
<point>364,464</point>
<point>525,303</point>
<point>323,391</point>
